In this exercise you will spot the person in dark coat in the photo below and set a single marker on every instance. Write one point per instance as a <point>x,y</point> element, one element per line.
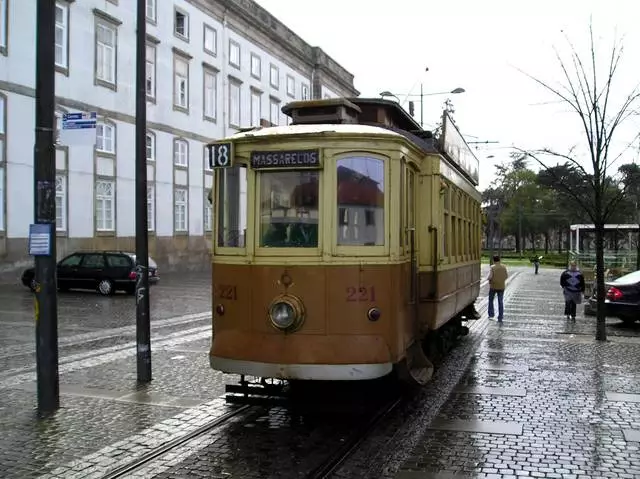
<point>572,282</point>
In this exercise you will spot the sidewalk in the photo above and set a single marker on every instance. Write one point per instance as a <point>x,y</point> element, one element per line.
<point>541,398</point>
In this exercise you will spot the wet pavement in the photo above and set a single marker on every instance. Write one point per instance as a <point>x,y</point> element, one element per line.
<point>535,397</point>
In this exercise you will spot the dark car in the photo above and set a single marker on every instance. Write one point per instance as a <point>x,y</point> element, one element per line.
<point>623,298</point>
<point>104,271</point>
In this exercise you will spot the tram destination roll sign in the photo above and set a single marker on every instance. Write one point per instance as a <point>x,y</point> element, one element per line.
<point>285,159</point>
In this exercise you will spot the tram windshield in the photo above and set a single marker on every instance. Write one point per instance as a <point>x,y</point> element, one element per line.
<point>289,209</point>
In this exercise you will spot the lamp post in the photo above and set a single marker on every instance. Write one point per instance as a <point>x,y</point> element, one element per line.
<point>422,94</point>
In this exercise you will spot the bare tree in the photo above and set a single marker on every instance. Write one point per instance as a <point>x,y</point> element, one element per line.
<point>590,93</point>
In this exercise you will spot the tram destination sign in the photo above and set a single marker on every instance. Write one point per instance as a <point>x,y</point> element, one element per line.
<point>285,159</point>
<point>454,145</point>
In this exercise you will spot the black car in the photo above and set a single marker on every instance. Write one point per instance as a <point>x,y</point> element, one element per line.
<point>105,271</point>
<point>623,298</point>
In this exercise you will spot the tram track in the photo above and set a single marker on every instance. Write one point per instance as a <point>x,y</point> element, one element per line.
<point>137,465</point>
<point>351,444</point>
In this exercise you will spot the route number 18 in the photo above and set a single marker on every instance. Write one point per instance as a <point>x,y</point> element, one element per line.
<point>220,155</point>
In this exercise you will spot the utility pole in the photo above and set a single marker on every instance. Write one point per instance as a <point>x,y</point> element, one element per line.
<point>143,319</point>
<point>422,105</point>
<point>46,307</point>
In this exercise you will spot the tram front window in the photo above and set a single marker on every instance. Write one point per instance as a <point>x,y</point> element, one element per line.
<point>289,209</point>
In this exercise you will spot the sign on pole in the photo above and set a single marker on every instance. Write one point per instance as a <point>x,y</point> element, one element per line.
<point>78,128</point>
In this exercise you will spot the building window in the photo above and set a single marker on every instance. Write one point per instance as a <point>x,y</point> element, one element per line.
<point>61,203</point>
<point>274,76</point>
<point>62,35</point>
<point>3,33</point>
<point>105,138</point>
<point>181,153</point>
<point>181,24</point>
<point>210,40</point>
<point>151,146</point>
<point>181,83</point>
<point>151,208</point>
<point>210,94</point>
<point>234,104</point>
<point>274,111</point>
<point>180,203</point>
<point>208,212</point>
<point>234,54</point>
<point>304,89</point>
<point>151,10</point>
<point>291,86</point>
<point>151,71</point>
<point>256,66</point>
<point>360,201</point>
<point>105,211</point>
<point>106,49</point>
<point>256,113</point>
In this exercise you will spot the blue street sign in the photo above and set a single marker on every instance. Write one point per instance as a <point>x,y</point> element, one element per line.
<point>40,239</point>
<point>79,121</point>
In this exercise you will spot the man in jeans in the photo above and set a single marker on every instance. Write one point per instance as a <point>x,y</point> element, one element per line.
<point>497,281</point>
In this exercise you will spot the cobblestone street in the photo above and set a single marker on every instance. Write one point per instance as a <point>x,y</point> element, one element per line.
<point>534,397</point>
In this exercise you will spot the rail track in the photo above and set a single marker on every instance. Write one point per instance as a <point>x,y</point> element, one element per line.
<point>146,459</point>
<point>348,447</point>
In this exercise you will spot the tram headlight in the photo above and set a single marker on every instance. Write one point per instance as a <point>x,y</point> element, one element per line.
<point>286,313</point>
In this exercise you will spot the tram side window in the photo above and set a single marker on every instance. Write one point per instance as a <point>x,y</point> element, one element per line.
<point>232,207</point>
<point>360,201</point>
<point>289,209</point>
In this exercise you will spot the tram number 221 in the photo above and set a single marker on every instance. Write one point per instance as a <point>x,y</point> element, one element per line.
<point>226,291</point>
<point>360,294</point>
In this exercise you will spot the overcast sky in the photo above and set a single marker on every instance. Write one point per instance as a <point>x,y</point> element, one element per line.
<point>478,46</point>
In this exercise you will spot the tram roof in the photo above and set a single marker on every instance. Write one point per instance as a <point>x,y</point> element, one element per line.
<point>606,227</point>
<point>308,129</point>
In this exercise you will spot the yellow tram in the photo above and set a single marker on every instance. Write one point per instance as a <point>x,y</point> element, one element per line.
<point>345,245</point>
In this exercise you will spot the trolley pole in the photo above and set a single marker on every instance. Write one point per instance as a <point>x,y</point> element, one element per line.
<point>143,320</point>
<point>46,307</point>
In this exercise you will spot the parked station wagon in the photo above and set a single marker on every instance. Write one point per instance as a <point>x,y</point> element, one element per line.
<point>104,271</point>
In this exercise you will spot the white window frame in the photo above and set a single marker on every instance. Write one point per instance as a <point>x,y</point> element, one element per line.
<point>151,206</point>
<point>181,153</point>
<point>104,144</point>
<point>151,145</point>
<point>101,218</point>
<point>4,23</point>
<point>185,34</point>
<point>257,71</point>
<point>304,92</point>
<point>183,226</point>
<point>101,75</point>
<point>214,47</point>
<point>291,86</point>
<point>205,159</point>
<point>151,10</point>
<point>274,102</point>
<point>61,196</point>
<point>180,81</point>
<point>210,94</point>
<point>207,220</point>
<point>256,113</point>
<point>64,27</point>
<point>234,47</point>
<point>235,111</point>
<point>150,71</point>
<point>274,76</point>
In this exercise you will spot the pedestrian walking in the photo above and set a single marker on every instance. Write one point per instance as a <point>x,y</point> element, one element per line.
<point>497,282</point>
<point>536,263</point>
<point>572,282</point>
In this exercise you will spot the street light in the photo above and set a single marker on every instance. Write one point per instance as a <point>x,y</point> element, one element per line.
<point>455,91</point>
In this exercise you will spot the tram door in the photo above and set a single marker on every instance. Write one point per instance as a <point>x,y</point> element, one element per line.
<point>411,241</point>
